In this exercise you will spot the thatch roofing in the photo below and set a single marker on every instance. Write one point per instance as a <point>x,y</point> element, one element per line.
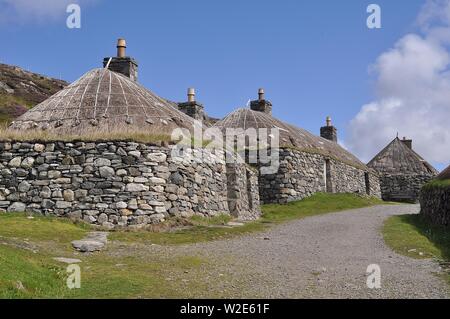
<point>398,158</point>
<point>107,101</point>
<point>290,136</point>
<point>445,174</point>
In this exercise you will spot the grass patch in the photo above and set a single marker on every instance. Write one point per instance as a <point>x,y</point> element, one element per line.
<point>437,184</point>
<point>27,275</point>
<point>95,135</point>
<point>18,225</point>
<point>414,236</point>
<point>127,270</point>
<point>318,204</point>
<point>206,229</point>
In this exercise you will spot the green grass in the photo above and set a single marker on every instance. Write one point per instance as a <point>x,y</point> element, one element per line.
<point>18,225</point>
<point>318,204</point>
<point>416,237</point>
<point>205,231</point>
<point>438,183</point>
<point>127,269</point>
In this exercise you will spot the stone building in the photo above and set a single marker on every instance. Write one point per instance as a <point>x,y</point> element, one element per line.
<point>435,199</point>
<point>117,182</point>
<point>402,171</point>
<point>307,163</point>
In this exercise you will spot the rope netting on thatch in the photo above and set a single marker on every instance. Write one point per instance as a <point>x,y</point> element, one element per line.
<point>399,158</point>
<point>104,100</point>
<point>290,135</point>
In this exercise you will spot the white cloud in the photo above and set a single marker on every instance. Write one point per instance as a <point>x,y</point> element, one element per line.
<point>413,90</point>
<point>35,11</point>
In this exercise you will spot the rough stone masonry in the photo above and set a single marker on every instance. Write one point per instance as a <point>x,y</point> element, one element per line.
<point>122,183</point>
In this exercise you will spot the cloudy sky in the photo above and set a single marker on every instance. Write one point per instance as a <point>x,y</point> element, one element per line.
<point>412,89</point>
<point>314,58</point>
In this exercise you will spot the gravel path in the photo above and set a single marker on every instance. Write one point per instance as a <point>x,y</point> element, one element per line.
<point>323,257</point>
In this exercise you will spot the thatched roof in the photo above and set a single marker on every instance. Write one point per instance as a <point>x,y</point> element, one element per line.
<point>445,174</point>
<point>107,101</point>
<point>398,158</point>
<point>290,136</point>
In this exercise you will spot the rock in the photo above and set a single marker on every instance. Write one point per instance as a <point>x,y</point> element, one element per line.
<point>126,212</point>
<point>106,172</point>
<point>17,207</point>
<point>76,215</point>
<point>133,187</point>
<point>157,217</point>
<point>46,192</point>
<point>87,246</point>
<point>15,162</point>
<point>157,180</point>
<point>136,154</point>
<point>39,148</point>
<point>176,178</point>
<point>47,204</point>
<point>102,162</point>
<point>121,205</point>
<point>24,187</point>
<point>69,195</point>
<point>63,204</point>
<point>235,224</point>
<point>121,172</point>
<point>27,162</point>
<point>67,260</point>
<point>157,157</point>
<point>102,218</point>
<point>54,174</point>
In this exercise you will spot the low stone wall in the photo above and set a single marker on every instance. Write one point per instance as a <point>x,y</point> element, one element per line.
<point>303,174</point>
<point>118,183</point>
<point>435,204</point>
<point>403,187</point>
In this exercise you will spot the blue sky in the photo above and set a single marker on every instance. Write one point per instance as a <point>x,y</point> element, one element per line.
<point>312,57</point>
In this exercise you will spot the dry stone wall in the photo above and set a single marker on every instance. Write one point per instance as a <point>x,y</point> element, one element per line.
<point>403,187</point>
<point>302,174</point>
<point>435,204</point>
<point>117,183</point>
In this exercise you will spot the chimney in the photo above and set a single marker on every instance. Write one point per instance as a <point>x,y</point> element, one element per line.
<point>408,143</point>
<point>121,63</point>
<point>329,132</point>
<point>192,107</point>
<point>261,105</point>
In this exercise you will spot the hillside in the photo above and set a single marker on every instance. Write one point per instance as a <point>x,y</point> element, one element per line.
<point>21,90</point>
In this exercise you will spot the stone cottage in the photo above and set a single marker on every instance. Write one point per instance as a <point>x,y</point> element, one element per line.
<point>117,182</point>
<point>402,171</point>
<point>435,199</point>
<point>307,163</point>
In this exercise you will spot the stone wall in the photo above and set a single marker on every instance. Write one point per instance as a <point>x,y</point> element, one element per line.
<point>403,187</point>
<point>303,174</point>
<point>243,193</point>
<point>349,179</point>
<point>435,204</point>
<point>116,183</point>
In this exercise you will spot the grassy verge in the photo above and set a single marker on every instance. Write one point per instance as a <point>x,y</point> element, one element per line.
<point>126,269</point>
<point>415,237</point>
<point>272,214</point>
